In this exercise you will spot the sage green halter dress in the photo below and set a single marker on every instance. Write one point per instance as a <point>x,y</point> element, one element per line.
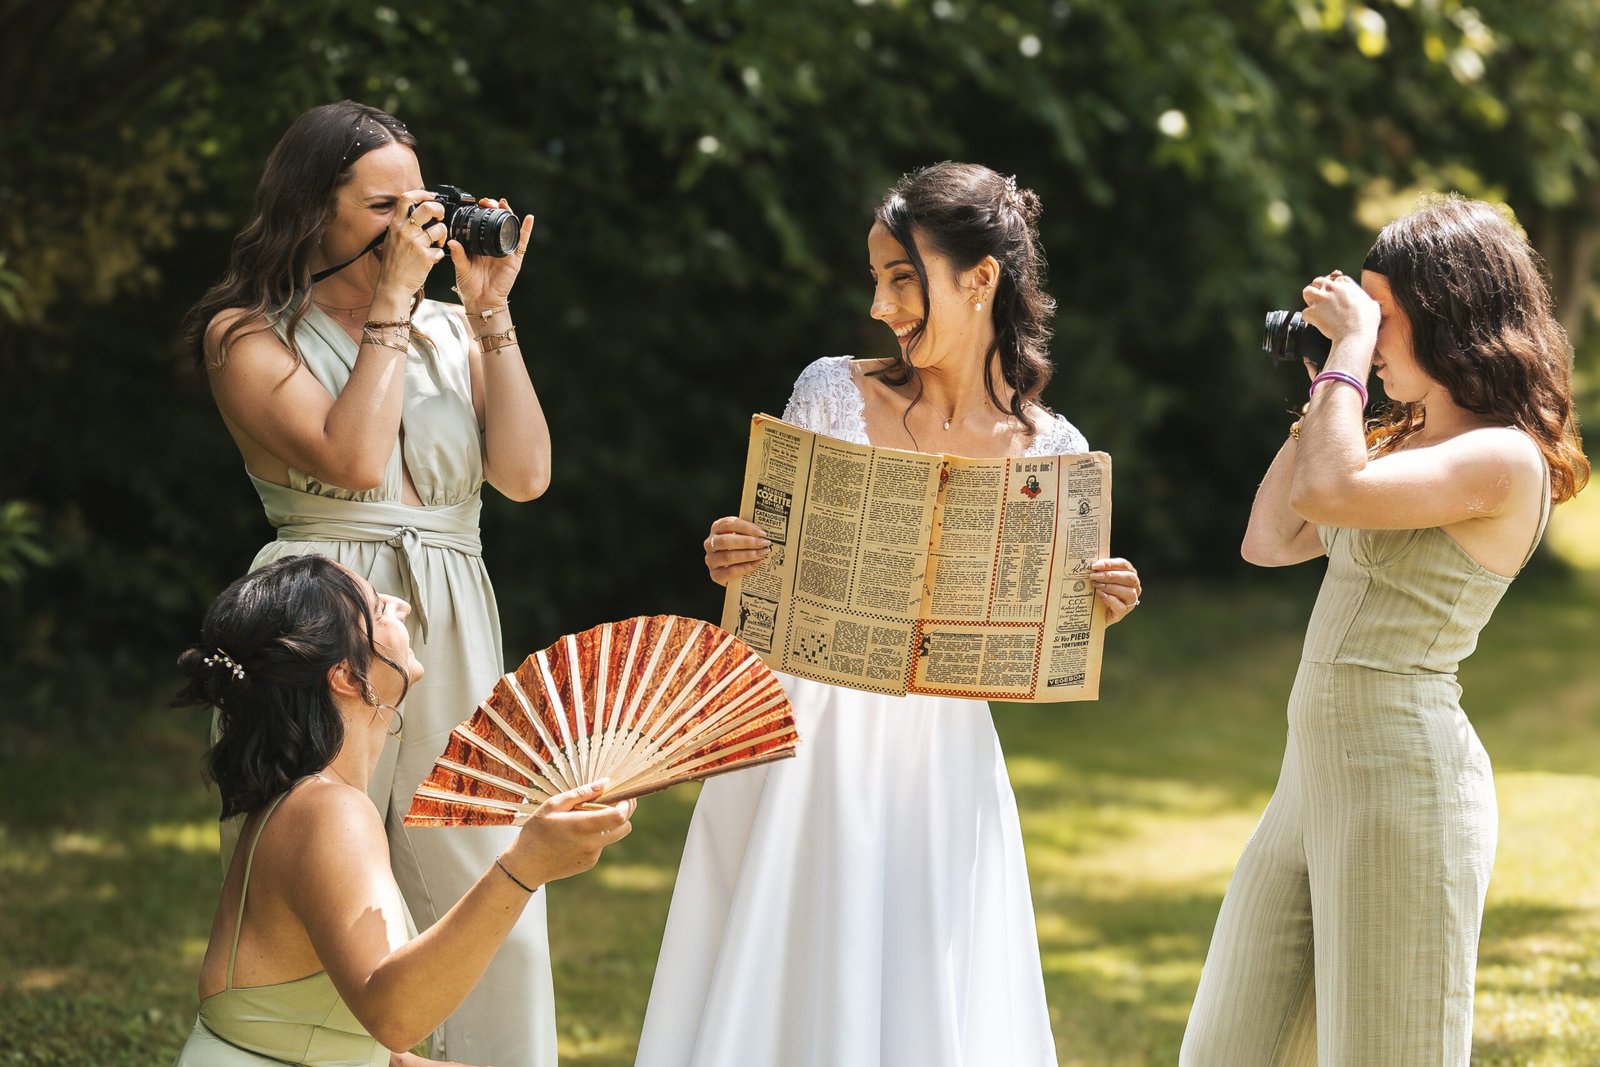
<point>1349,933</point>
<point>304,1021</point>
<point>432,557</point>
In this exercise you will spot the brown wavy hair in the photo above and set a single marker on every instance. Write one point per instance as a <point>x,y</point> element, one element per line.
<point>965,212</point>
<point>1483,325</point>
<point>269,271</point>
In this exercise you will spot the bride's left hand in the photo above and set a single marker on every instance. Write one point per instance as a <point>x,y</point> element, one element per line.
<point>1116,583</point>
<point>486,281</point>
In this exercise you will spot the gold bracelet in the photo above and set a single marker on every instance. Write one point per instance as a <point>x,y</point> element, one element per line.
<point>493,342</point>
<point>386,324</point>
<point>1294,427</point>
<point>370,337</point>
<point>488,313</point>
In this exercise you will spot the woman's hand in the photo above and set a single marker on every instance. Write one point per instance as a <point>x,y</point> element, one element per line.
<point>559,841</point>
<point>415,242</point>
<point>1339,307</point>
<point>734,547</point>
<point>485,281</point>
<point>1117,584</point>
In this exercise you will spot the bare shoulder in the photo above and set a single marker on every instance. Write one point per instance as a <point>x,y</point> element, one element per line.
<point>236,333</point>
<point>1504,447</point>
<point>328,817</point>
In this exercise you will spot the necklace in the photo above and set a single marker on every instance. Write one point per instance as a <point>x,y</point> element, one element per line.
<point>350,311</point>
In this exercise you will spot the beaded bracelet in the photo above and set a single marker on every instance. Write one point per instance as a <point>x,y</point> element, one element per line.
<point>387,324</point>
<point>1341,376</point>
<point>493,342</point>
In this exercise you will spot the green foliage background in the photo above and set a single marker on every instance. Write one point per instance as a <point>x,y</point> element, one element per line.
<point>703,173</point>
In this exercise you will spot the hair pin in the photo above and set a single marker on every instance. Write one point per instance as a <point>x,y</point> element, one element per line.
<point>225,661</point>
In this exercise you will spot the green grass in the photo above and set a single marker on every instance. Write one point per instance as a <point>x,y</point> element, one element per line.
<point>1134,810</point>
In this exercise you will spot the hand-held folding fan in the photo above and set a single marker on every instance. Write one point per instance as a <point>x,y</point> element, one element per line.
<point>647,702</point>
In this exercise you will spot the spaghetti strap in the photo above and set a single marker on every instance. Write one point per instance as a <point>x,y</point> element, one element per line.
<point>1544,514</point>
<point>244,889</point>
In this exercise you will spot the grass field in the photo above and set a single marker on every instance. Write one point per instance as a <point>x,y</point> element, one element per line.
<point>1134,810</point>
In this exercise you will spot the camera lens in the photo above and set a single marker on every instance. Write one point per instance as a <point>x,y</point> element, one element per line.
<point>1288,338</point>
<point>484,231</point>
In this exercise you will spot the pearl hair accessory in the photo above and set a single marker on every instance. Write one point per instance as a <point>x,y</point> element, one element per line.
<point>225,661</point>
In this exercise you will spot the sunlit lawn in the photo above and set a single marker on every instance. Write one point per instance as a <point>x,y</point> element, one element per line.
<point>1134,810</point>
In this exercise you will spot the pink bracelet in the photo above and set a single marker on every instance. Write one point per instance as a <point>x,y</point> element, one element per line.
<point>1341,376</point>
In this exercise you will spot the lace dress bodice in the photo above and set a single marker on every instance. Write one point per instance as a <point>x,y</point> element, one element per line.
<point>827,400</point>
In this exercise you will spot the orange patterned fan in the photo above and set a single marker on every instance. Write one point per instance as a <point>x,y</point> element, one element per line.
<point>647,702</point>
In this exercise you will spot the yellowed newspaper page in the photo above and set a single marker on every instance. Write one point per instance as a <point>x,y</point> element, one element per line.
<point>837,598</point>
<point>1008,612</point>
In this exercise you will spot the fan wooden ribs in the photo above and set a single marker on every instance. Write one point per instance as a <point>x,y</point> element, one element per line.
<point>647,702</point>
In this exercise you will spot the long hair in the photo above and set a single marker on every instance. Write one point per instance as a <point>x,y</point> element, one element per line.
<point>262,660</point>
<point>269,271</point>
<point>1483,325</point>
<point>965,212</point>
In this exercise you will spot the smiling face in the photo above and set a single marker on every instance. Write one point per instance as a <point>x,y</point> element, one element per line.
<point>1394,361</point>
<point>951,324</point>
<point>364,205</point>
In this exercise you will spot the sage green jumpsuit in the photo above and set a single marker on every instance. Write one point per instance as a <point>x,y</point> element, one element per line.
<point>1349,933</point>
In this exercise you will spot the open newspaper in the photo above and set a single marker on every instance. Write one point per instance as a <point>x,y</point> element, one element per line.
<point>903,572</point>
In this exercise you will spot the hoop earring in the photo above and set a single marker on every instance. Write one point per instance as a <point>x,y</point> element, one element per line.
<point>400,733</point>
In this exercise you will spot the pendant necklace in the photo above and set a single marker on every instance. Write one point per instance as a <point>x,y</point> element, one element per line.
<point>349,311</point>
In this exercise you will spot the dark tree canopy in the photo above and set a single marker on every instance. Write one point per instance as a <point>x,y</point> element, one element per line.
<point>703,173</point>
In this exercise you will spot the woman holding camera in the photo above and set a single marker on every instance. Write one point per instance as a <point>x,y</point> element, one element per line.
<point>867,902</point>
<point>310,959</point>
<point>368,419</point>
<point>1349,933</point>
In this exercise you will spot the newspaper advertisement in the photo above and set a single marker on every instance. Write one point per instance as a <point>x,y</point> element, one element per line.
<point>899,572</point>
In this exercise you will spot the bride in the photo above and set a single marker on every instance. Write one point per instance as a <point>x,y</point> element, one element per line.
<point>867,902</point>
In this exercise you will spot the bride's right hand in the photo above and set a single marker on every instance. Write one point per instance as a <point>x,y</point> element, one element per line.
<point>734,547</point>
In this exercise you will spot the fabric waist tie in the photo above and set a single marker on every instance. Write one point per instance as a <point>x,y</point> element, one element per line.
<point>302,516</point>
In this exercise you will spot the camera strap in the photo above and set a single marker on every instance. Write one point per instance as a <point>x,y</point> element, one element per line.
<point>331,271</point>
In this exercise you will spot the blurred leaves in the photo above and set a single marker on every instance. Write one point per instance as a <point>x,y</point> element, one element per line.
<point>19,542</point>
<point>703,174</point>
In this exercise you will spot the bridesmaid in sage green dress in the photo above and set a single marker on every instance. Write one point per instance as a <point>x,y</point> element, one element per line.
<point>310,959</point>
<point>368,419</point>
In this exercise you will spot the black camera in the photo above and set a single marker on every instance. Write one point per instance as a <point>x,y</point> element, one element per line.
<point>1289,339</point>
<point>482,231</point>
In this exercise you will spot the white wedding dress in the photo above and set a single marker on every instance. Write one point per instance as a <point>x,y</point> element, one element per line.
<point>866,903</point>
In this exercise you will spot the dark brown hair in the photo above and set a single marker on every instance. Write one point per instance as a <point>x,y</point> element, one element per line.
<point>282,629</point>
<point>965,212</point>
<point>269,272</point>
<point>1483,325</point>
